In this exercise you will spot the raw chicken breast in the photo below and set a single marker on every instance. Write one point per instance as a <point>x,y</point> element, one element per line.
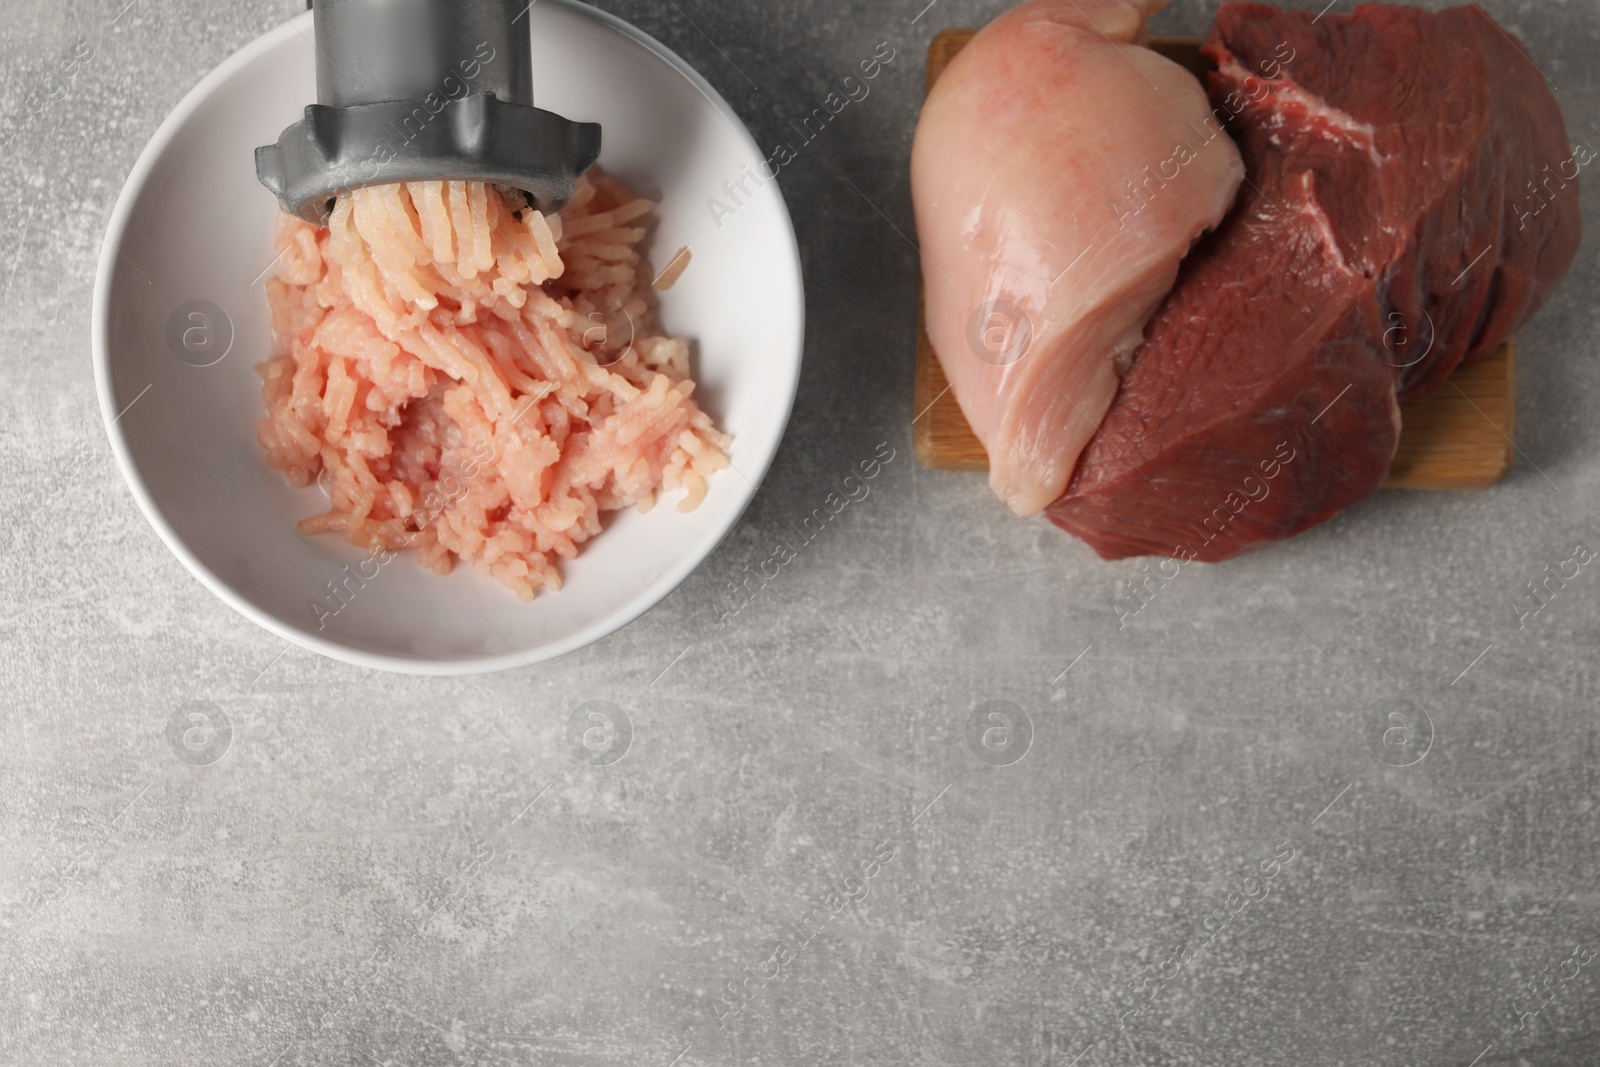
<point>1060,172</point>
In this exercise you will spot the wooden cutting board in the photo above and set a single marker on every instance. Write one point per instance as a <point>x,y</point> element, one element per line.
<point>1457,437</point>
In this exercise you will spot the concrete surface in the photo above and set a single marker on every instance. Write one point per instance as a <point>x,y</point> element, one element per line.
<point>371,869</point>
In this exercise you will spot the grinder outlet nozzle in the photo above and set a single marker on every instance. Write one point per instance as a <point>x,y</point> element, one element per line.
<point>424,90</point>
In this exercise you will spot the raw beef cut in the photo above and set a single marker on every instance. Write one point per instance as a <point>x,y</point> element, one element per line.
<point>1409,201</point>
<point>1060,172</point>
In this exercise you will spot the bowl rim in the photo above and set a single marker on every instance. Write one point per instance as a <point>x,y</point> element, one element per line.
<point>653,594</point>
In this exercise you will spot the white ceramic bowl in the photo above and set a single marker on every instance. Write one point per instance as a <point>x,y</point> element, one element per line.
<point>192,224</point>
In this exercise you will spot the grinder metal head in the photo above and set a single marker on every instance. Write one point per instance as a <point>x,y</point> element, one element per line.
<point>424,90</point>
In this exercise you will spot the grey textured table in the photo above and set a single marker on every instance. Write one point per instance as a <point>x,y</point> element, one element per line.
<point>389,870</point>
